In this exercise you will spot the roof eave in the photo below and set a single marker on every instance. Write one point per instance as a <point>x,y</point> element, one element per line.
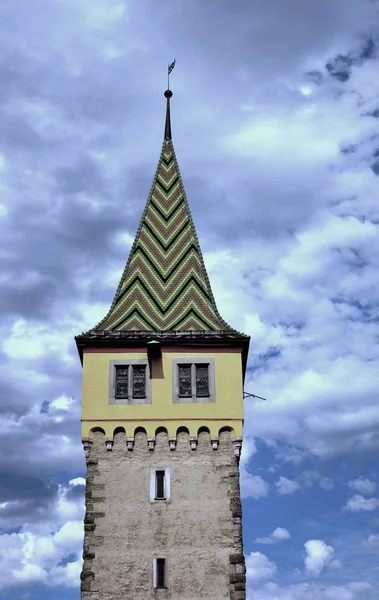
<point>118,339</point>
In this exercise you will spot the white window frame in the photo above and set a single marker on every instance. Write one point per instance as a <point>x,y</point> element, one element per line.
<point>112,381</point>
<point>193,362</point>
<point>167,484</point>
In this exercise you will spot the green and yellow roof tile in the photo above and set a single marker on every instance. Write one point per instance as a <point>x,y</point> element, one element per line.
<point>164,286</point>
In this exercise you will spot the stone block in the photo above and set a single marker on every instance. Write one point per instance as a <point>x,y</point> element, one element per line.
<point>240,587</point>
<point>87,575</point>
<point>89,518</point>
<point>85,586</point>
<point>235,507</point>
<point>99,515</point>
<point>240,568</point>
<point>98,499</point>
<point>236,558</point>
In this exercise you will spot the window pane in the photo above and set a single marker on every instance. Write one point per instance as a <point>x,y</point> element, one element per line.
<point>185,385</point>
<point>202,381</point>
<point>122,381</point>
<point>159,485</point>
<point>139,382</point>
<point>161,583</point>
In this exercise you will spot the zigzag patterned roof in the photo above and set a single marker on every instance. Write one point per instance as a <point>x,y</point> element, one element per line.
<point>164,285</point>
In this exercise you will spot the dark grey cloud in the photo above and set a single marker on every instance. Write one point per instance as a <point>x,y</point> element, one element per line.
<point>341,66</point>
<point>83,175</point>
<point>91,112</point>
<point>75,493</point>
<point>53,239</point>
<point>24,498</point>
<point>81,121</point>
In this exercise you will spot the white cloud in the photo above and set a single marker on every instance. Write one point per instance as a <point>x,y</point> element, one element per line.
<point>362,485</point>
<point>248,450</point>
<point>77,481</point>
<point>279,534</point>
<point>61,403</point>
<point>326,483</point>
<point>310,591</point>
<point>253,486</point>
<point>103,14</point>
<point>258,566</point>
<point>372,541</point>
<point>318,556</point>
<point>286,486</point>
<point>309,477</point>
<point>270,137</point>
<point>33,554</point>
<point>32,342</point>
<point>358,504</point>
<point>291,454</point>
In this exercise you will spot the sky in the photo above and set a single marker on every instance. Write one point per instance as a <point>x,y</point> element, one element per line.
<point>275,120</point>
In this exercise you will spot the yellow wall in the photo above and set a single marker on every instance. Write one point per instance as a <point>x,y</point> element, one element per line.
<point>227,410</point>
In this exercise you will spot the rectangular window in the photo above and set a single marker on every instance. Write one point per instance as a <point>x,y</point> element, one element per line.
<point>160,485</point>
<point>202,381</point>
<point>185,381</point>
<point>193,380</point>
<point>129,383</point>
<point>122,382</point>
<point>139,381</point>
<point>161,573</point>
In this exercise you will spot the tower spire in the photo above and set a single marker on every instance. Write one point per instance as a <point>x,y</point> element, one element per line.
<point>165,286</point>
<point>167,130</point>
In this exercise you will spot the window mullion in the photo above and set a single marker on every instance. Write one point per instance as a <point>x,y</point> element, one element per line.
<point>193,380</point>
<point>130,384</point>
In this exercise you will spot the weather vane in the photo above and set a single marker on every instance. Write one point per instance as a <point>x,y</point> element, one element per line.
<point>170,68</point>
<point>249,395</point>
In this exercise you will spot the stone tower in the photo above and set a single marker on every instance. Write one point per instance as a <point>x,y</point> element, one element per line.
<point>162,416</point>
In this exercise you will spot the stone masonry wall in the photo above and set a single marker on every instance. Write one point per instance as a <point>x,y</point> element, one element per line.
<point>198,531</point>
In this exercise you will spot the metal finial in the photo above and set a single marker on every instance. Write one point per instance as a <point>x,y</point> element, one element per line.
<point>167,130</point>
<point>168,95</point>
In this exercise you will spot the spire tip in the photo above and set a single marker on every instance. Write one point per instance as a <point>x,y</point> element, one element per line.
<point>167,133</point>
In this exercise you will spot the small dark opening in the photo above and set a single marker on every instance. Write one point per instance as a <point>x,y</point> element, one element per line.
<point>161,564</point>
<point>159,485</point>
